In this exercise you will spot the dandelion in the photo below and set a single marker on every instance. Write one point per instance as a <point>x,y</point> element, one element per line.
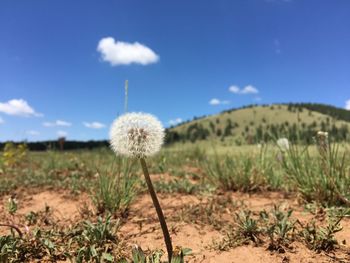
<point>322,142</point>
<point>141,135</point>
<point>283,144</point>
<point>136,135</point>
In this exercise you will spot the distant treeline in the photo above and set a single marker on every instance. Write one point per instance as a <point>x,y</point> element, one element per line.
<point>55,145</point>
<point>337,113</point>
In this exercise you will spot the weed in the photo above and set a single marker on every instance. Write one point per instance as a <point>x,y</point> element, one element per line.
<point>11,205</point>
<point>234,173</point>
<point>114,192</point>
<point>96,242</point>
<point>279,227</point>
<point>321,238</point>
<point>14,155</point>
<point>324,179</point>
<point>247,227</point>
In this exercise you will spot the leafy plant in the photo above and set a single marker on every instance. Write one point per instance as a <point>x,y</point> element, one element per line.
<point>247,227</point>
<point>96,242</point>
<point>280,228</point>
<point>14,154</point>
<point>321,238</point>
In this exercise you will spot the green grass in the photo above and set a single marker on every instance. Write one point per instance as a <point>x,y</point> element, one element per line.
<point>322,177</point>
<point>114,190</point>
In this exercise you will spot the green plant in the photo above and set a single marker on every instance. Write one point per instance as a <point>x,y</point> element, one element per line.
<point>96,242</point>
<point>139,256</point>
<point>234,173</point>
<point>14,155</point>
<point>322,238</point>
<point>324,178</point>
<point>247,227</point>
<point>11,205</point>
<point>114,192</point>
<point>177,185</point>
<point>280,228</point>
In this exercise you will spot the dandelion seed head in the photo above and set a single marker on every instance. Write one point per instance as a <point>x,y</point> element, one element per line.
<point>322,141</point>
<point>283,144</point>
<point>136,135</point>
<point>322,134</point>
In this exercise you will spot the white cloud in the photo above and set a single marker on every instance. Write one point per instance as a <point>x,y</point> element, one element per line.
<point>57,123</point>
<point>94,125</point>
<point>234,89</point>
<point>18,107</point>
<point>1,120</point>
<point>215,102</point>
<point>62,133</point>
<point>175,121</point>
<point>124,53</point>
<point>33,133</point>
<point>249,89</point>
<point>347,104</point>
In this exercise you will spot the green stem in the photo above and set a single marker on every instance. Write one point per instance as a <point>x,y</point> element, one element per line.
<point>160,214</point>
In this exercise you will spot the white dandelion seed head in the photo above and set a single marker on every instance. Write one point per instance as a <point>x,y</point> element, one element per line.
<point>136,135</point>
<point>283,144</point>
<point>322,134</point>
<point>322,139</point>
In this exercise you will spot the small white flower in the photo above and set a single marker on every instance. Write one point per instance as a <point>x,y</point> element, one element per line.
<point>283,144</point>
<point>136,135</point>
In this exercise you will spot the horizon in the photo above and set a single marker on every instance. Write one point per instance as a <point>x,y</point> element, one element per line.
<point>64,64</point>
<point>183,122</point>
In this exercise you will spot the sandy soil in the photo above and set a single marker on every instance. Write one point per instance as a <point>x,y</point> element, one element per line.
<point>142,227</point>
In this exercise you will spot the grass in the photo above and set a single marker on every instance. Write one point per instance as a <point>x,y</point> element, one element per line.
<point>324,177</point>
<point>114,191</point>
<point>251,172</point>
<point>320,178</point>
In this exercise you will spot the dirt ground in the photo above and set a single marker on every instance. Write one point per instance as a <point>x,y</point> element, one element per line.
<point>142,228</point>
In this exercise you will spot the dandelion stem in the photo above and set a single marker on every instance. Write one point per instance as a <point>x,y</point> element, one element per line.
<point>160,214</point>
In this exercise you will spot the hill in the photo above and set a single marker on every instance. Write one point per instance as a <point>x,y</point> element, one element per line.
<point>256,123</point>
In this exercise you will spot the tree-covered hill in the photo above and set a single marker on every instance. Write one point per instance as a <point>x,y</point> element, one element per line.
<point>257,123</point>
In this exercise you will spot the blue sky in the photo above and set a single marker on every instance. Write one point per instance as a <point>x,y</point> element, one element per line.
<point>63,63</point>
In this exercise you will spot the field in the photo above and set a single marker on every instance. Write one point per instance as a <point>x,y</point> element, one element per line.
<point>256,203</point>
